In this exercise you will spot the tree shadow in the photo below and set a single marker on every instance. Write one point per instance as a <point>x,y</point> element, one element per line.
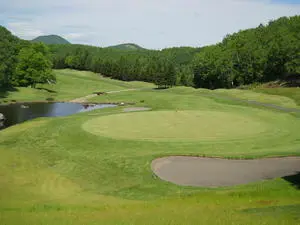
<point>294,180</point>
<point>46,89</point>
<point>4,91</point>
<point>292,80</point>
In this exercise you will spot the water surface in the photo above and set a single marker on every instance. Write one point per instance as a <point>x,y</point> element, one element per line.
<point>18,113</point>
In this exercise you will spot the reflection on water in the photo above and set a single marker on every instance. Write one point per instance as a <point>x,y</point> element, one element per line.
<point>18,113</point>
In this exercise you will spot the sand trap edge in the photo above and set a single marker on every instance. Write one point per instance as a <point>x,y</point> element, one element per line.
<point>220,172</point>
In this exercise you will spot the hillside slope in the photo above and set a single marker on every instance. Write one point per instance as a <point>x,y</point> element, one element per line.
<point>70,84</point>
<point>51,39</point>
<point>127,46</point>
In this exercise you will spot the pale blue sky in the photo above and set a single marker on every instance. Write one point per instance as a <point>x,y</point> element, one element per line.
<point>287,1</point>
<point>150,23</point>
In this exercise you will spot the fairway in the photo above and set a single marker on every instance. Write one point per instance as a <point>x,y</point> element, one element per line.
<point>98,167</point>
<point>177,125</point>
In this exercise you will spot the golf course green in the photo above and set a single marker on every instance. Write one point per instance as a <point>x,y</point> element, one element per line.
<point>95,167</point>
<point>176,125</point>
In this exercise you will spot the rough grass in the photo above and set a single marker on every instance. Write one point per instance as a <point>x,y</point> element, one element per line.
<point>54,172</point>
<point>292,93</point>
<point>263,97</point>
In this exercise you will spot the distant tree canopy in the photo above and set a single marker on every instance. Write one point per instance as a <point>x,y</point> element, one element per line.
<point>127,46</point>
<point>127,65</point>
<point>263,54</point>
<point>23,63</point>
<point>8,52</point>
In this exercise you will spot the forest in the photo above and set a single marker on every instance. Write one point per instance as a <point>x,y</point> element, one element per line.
<point>266,53</point>
<point>263,54</point>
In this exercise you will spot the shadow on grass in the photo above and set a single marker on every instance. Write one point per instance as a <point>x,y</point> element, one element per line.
<point>294,180</point>
<point>46,89</point>
<point>276,211</point>
<point>4,91</point>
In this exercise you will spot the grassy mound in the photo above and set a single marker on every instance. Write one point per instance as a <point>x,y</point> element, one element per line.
<point>271,98</point>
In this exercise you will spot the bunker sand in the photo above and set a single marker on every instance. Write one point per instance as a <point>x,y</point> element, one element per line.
<point>215,172</point>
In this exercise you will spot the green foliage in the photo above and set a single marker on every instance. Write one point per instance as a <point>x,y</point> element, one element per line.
<point>258,55</point>
<point>8,51</point>
<point>51,39</point>
<point>127,46</point>
<point>180,55</point>
<point>142,65</point>
<point>23,63</point>
<point>263,54</point>
<point>33,67</point>
<point>185,75</point>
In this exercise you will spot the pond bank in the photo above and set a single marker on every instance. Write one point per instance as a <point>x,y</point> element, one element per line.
<point>20,112</point>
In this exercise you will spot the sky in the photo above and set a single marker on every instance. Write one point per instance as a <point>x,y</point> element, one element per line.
<point>152,24</point>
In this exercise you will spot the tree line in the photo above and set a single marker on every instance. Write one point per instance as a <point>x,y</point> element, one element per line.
<point>164,68</point>
<point>262,54</point>
<point>266,53</point>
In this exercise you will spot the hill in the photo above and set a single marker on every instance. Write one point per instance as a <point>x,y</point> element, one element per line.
<point>51,39</point>
<point>127,46</point>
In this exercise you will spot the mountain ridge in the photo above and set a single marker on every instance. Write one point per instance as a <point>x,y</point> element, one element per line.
<point>127,46</point>
<point>51,39</point>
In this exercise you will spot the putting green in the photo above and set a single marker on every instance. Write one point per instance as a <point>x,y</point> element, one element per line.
<point>177,125</point>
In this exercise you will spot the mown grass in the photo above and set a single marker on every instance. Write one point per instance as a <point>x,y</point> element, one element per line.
<point>208,125</point>
<point>54,172</point>
<point>292,93</point>
<point>70,84</point>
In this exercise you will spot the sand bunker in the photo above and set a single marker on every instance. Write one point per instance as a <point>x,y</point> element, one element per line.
<point>213,172</point>
<point>136,109</point>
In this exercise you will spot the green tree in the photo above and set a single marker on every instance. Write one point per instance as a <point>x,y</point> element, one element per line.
<point>8,51</point>
<point>33,66</point>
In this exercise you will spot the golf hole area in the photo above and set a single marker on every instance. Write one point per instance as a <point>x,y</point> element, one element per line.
<point>216,172</point>
<point>178,126</point>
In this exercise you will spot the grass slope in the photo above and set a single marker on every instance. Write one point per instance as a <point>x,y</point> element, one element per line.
<point>270,97</point>
<point>70,84</point>
<point>55,172</point>
<point>292,93</point>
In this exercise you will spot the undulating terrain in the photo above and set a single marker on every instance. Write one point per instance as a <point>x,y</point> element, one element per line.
<point>95,167</point>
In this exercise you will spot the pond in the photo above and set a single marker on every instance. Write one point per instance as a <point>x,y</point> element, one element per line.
<point>18,113</point>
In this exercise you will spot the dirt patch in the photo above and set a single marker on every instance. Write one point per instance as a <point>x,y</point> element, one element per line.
<point>215,172</point>
<point>136,109</point>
